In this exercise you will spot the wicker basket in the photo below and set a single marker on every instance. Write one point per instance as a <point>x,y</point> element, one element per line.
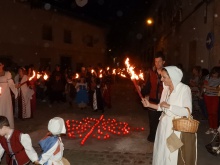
<point>185,124</point>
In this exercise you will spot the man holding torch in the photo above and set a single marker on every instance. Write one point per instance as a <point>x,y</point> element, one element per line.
<point>152,91</point>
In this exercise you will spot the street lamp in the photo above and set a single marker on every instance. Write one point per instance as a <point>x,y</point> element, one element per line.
<point>149,21</point>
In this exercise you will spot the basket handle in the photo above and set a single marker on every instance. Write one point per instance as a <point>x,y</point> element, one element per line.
<point>189,116</point>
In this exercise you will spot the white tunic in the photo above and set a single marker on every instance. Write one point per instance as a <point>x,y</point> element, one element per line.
<point>27,96</point>
<point>179,98</point>
<point>6,109</point>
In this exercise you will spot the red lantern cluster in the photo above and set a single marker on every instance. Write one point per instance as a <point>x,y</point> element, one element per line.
<point>99,128</point>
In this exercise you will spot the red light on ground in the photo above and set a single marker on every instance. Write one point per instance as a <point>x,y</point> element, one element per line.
<point>84,128</point>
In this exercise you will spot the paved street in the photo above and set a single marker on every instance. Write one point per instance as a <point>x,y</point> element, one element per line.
<point>131,149</point>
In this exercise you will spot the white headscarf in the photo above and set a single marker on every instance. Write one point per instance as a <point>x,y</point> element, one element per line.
<point>57,126</point>
<point>175,74</point>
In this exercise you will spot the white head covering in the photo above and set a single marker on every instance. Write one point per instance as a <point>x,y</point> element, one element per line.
<point>57,126</point>
<point>175,74</point>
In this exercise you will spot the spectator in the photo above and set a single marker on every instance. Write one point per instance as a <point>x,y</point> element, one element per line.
<point>153,90</point>
<point>211,98</point>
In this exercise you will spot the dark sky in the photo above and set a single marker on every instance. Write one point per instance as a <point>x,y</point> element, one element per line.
<point>106,11</point>
<point>120,16</point>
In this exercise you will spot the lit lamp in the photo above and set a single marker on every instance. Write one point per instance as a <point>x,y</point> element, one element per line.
<point>149,21</point>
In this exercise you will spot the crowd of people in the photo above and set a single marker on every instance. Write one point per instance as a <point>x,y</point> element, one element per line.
<point>165,96</point>
<point>19,92</point>
<point>205,93</point>
<point>91,87</point>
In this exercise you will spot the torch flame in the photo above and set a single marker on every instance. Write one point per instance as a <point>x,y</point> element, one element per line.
<point>122,75</point>
<point>141,76</point>
<point>130,70</point>
<point>45,76</point>
<point>114,71</point>
<point>38,75</point>
<point>77,75</point>
<point>32,76</point>
<point>134,77</point>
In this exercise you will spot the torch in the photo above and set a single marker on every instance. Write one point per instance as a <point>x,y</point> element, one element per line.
<point>29,79</point>
<point>134,77</point>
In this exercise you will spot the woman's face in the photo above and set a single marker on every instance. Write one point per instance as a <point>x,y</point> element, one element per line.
<point>20,72</point>
<point>165,78</point>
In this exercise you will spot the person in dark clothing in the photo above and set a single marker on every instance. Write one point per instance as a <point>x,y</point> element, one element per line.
<point>98,102</point>
<point>57,88</point>
<point>152,91</point>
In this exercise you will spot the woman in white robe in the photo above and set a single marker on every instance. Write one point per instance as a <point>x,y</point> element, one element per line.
<point>6,83</point>
<point>23,102</point>
<point>175,97</point>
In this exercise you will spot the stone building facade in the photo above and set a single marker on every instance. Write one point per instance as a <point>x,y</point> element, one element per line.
<point>187,31</point>
<point>42,37</point>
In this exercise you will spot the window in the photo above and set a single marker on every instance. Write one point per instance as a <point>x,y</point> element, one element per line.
<point>67,36</point>
<point>47,33</point>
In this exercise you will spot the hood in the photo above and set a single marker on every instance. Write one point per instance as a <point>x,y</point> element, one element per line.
<point>175,74</point>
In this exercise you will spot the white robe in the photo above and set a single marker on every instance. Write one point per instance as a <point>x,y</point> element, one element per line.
<point>179,98</point>
<point>6,109</point>
<point>27,93</point>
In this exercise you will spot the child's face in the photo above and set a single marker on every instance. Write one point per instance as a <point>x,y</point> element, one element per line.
<point>2,131</point>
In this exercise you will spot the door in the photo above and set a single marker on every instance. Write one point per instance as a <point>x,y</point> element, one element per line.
<point>192,54</point>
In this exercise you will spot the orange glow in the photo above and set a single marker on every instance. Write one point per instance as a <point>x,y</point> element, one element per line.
<point>77,75</point>
<point>114,71</point>
<point>149,21</point>
<point>32,76</point>
<point>45,76</point>
<point>38,75</point>
<point>130,70</point>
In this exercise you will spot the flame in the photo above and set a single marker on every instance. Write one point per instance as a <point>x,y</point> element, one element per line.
<point>77,75</point>
<point>45,76</point>
<point>32,76</point>
<point>130,70</point>
<point>100,76</point>
<point>108,68</point>
<point>92,71</point>
<point>122,75</point>
<point>114,71</point>
<point>38,75</point>
<point>141,76</point>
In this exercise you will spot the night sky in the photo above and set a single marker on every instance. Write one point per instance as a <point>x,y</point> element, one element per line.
<point>122,17</point>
